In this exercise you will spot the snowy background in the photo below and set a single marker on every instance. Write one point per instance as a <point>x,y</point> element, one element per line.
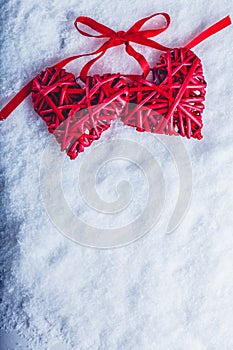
<point>162,292</point>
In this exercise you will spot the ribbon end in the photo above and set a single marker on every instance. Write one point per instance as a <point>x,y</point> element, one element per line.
<point>215,28</point>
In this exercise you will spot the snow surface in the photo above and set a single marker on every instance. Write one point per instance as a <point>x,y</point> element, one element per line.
<point>162,292</point>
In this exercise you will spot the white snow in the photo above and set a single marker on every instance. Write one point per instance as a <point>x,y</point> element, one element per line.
<point>162,292</point>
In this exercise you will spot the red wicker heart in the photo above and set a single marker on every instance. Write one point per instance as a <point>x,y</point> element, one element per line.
<point>54,94</point>
<point>175,99</point>
<point>170,104</point>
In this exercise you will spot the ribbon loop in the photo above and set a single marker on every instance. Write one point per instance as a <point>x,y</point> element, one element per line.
<point>150,32</point>
<point>104,31</point>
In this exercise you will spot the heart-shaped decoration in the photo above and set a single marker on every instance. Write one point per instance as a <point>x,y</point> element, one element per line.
<point>54,92</point>
<point>172,103</point>
<point>77,116</point>
<point>174,100</point>
<point>77,111</point>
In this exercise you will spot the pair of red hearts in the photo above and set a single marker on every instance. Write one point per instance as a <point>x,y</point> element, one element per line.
<point>77,112</point>
<point>172,103</point>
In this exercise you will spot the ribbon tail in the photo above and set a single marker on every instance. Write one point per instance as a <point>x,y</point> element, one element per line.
<point>16,100</point>
<point>139,58</point>
<point>88,65</point>
<point>215,28</point>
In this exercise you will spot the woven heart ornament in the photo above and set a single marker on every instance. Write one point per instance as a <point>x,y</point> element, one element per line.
<point>78,110</point>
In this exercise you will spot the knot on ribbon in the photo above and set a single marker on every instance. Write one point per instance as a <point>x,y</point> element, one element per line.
<point>121,36</point>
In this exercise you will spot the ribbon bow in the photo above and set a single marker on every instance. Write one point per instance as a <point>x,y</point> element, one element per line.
<point>134,34</point>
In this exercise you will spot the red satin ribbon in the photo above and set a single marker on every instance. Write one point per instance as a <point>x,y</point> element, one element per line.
<point>134,34</point>
<point>215,28</point>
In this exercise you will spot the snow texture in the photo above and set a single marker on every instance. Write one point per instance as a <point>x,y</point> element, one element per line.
<point>162,292</point>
